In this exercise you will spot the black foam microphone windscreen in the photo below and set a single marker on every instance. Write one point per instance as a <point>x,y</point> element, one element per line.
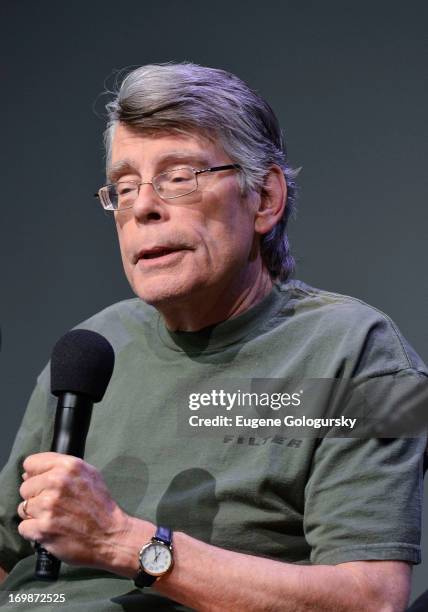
<point>82,364</point>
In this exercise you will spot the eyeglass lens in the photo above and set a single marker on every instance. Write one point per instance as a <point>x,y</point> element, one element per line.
<point>167,185</point>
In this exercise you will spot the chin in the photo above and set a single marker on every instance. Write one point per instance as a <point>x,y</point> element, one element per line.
<point>164,289</point>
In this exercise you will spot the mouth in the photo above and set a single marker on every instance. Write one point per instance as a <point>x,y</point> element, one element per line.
<point>159,253</point>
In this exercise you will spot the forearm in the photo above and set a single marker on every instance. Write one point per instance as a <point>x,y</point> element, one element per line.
<point>214,579</point>
<point>208,578</point>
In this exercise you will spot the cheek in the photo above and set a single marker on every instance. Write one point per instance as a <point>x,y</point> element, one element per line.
<point>227,221</point>
<point>234,228</point>
<point>123,239</point>
<point>228,245</point>
<point>123,234</point>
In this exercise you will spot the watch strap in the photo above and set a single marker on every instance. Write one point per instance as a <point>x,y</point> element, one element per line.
<point>164,534</point>
<point>143,579</point>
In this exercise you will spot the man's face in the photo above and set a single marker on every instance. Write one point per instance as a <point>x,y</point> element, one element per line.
<point>181,247</point>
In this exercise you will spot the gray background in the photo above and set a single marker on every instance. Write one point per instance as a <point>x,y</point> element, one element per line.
<point>348,82</point>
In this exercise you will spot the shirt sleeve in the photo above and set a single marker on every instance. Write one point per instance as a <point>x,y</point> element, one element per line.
<point>33,436</point>
<point>363,499</point>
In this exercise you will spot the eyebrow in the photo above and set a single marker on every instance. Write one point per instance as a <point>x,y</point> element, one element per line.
<point>125,166</point>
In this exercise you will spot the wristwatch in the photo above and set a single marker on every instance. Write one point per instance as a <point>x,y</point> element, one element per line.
<point>155,558</point>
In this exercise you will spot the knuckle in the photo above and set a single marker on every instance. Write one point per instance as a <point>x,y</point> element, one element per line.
<point>54,500</point>
<point>91,468</point>
<point>50,502</point>
<point>45,524</point>
<point>59,480</point>
<point>55,478</point>
<point>52,479</point>
<point>72,465</point>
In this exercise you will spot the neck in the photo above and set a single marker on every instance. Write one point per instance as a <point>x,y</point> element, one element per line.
<point>214,304</point>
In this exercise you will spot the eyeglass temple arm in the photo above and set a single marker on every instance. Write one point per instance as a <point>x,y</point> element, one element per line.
<point>215,168</point>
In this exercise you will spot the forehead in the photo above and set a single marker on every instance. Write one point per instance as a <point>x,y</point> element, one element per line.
<point>146,151</point>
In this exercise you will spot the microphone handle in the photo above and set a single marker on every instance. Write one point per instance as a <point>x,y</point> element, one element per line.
<point>72,419</point>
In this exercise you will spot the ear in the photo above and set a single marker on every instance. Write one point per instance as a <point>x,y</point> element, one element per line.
<point>272,201</point>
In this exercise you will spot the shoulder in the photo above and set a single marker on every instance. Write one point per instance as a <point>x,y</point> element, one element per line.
<point>325,304</point>
<point>350,324</point>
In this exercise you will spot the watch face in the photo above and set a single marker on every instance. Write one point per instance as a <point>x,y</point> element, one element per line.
<point>156,558</point>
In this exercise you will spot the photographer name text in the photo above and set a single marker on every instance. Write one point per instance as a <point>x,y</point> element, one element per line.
<point>239,420</point>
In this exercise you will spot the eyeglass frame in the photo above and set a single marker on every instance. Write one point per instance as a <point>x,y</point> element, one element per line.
<point>138,184</point>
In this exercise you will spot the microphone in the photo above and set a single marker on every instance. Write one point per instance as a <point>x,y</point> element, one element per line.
<point>82,363</point>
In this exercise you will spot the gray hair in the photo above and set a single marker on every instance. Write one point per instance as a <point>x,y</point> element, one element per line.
<point>186,97</point>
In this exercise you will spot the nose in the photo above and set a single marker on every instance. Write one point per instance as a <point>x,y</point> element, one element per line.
<point>148,206</point>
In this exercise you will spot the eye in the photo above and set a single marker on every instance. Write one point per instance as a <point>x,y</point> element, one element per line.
<point>124,188</point>
<point>178,178</point>
<point>180,175</point>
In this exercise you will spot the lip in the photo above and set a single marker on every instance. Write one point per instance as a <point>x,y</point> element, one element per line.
<point>158,254</point>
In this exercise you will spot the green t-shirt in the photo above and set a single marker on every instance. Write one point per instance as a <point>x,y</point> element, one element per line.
<point>294,499</point>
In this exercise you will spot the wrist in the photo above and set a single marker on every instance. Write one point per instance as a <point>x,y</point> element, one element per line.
<point>126,545</point>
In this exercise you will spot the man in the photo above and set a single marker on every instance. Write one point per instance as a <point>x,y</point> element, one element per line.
<point>201,192</point>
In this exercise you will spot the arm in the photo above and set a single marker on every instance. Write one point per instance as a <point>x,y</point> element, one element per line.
<point>208,578</point>
<point>74,517</point>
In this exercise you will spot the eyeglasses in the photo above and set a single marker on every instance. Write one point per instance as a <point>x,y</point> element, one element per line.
<point>168,185</point>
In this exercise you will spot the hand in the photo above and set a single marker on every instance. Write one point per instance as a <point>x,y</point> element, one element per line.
<point>69,510</point>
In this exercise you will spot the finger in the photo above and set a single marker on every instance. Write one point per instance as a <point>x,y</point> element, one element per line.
<point>35,485</point>
<point>23,511</point>
<point>30,530</point>
<point>42,462</point>
<point>42,506</point>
